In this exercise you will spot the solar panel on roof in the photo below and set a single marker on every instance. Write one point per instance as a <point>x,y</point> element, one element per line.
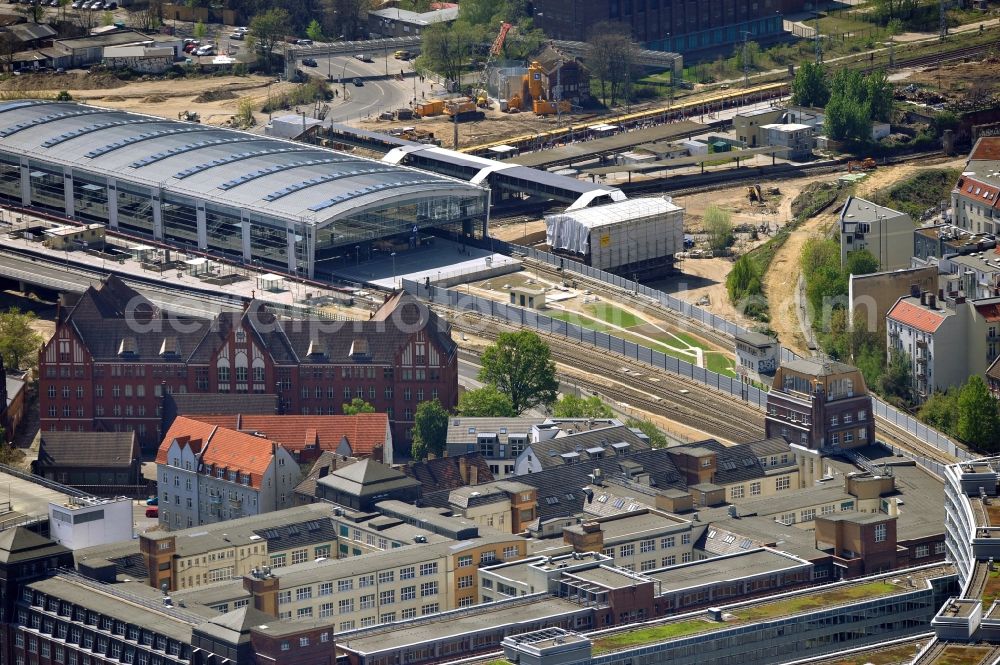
<point>170,152</point>
<point>323,179</point>
<point>138,138</point>
<point>41,120</point>
<point>260,173</point>
<point>229,159</point>
<point>97,126</point>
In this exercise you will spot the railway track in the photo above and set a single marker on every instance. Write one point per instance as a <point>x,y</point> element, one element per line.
<point>937,58</point>
<point>642,387</point>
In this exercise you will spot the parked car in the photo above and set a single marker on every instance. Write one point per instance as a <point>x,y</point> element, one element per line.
<point>309,62</point>
<point>239,36</point>
<point>358,82</point>
<point>191,46</point>
<point>153,511</point>
<point>242,29</point>
<point>364,57</point>
<point>303,42</point>
<point>153,501</point>
<point>207,49</point>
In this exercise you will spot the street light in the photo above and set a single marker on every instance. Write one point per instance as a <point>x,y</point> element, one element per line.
<point>393,255</point>
<point>329,59</point>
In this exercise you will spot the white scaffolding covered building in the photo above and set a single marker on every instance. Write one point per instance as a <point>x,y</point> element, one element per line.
<point>633,238</point>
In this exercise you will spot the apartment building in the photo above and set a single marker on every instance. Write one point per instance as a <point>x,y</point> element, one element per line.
<point>946,338</point>
<point>579,441</point>
<point>385,587</point>
<point>883,232</point>
<point>211,474</point>
<point>820,403</point>
<point>307,436</point>
<point>502,440</point>
<point>975,199</point>
<point>98,374</point>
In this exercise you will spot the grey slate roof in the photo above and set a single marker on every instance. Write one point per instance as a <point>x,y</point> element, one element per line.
<point>367,477</point>
<point>88,449</point>
<point>19,544</point>
<point>548,452</point>
<point>99,318</point>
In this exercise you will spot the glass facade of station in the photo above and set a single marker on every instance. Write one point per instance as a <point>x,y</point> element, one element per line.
<point>238,234</point>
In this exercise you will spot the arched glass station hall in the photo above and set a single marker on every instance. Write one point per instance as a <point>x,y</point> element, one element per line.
<point>294,207</point>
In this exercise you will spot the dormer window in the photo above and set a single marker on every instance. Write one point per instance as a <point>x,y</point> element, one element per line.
<point>241,336</point>
<point>315,349</point>
<point>169,346</point>
<point>128,347</point>
<point>359,348</point>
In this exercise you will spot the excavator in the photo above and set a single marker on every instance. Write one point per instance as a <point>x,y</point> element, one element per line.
<point>863,165</point>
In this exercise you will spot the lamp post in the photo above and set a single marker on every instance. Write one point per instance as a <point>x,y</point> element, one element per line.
<point>343,73</point>
<point>329,59</point>
<point>393,255</point>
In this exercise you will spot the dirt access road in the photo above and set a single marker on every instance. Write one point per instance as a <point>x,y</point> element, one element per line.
<point>214,98</point>
<point>782,278</point>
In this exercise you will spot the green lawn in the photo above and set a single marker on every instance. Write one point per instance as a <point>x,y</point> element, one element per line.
<point>614,315</point>
<point>690,339</point>
<point>652,635</point>
<point>815,601</point>
<point>583,322</point>
<point>720,364</point>
<point>992,590</point>
<point>787,607</point>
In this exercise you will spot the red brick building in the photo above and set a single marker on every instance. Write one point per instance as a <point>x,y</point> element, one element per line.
<point>115,355</point>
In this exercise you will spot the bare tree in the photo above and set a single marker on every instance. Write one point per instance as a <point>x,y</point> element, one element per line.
<point>9,45</point>
<point>612,60</point>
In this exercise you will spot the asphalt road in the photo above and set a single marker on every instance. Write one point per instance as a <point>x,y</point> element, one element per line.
<point>374,96</point>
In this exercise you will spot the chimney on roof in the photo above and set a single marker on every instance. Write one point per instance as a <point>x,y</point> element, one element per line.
<point>923,297</point>
<point>914,290</point>
<point>932,301</point>
<point>473,474</point>
<point>463,469</point>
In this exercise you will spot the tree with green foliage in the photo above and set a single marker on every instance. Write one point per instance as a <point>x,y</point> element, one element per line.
<point>357,406</point>
<point>718,225</point>
<point>267,30</point>
<point>897,380</point>
<point>520,365</point>
<point>430,430</point>
<point>315,31</point>
<point>826,287</point>
<point>860,262</point>
<point>485,402</point>
<point>446,49</point>
<point>810,87</point>
<point>612,60</point>
<point>19,343</point>
<point>200,31</point>
<point>978,422</point>
<point>940,411</point>
<point>64,96</point>
<point>856,100</point>
<point>571,406</point>
<point>657,439</point>
<point>743,280</point>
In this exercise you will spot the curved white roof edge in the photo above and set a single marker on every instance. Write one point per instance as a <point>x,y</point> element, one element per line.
<point>588,198</point>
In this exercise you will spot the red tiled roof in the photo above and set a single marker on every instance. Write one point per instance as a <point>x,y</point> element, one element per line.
<point>987,147</point>
<point>187,432</point>
<point>989,311</point>
<point>915,316</point>
<point>971,188</point>
<point>240,452</point>
<point>364,432</point>
<point>221,447</point>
